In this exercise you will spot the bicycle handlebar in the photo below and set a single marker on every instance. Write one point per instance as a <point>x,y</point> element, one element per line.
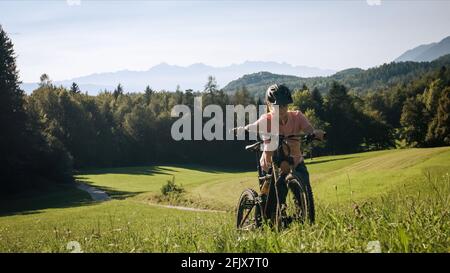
<point>306,137</point>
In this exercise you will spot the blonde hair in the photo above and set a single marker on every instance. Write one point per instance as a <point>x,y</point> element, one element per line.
<point>268,107</point>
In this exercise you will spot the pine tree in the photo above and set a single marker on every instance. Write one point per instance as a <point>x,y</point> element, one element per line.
<point>29,156</point>
<point>148,93</point>
<point>442,130</point>
<point>11,96</point>
<point>344,120</point>
<point>211,85</point>
<point>74,89</point>
<point>318,102</point>
<point>45,81</point>
<point>118,91</point>
<point>210,91</point>
<point>13,119</point>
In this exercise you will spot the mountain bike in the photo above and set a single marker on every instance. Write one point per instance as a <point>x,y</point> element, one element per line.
<point>296,204</point>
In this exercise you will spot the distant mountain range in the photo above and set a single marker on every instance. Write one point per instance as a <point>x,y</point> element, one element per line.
<point>253,74</point>
<point>426,53</point>
<point>165,76</point>
<point>409,65</point>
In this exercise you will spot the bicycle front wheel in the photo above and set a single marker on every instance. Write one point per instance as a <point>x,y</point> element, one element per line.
<point>248,211</point>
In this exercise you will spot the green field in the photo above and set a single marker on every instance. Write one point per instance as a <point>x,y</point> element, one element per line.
<point>400,198</point>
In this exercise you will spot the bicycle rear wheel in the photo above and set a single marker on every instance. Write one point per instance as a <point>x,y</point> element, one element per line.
<point>248,211</point>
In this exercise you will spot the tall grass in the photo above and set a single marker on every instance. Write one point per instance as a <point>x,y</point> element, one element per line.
<point>405,220</point>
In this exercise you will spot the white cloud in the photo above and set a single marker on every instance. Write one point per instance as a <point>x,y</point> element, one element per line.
<point>373,2</point>
<point>73,2</point>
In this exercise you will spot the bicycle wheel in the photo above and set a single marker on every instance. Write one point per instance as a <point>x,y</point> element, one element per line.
<point>248,211</point>
<point>299,205</point>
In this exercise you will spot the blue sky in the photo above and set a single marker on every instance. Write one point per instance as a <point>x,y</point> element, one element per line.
<point>70,38</point>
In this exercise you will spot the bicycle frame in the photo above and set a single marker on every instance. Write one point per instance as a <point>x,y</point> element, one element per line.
<point>276,163</point>
<point>267,204</point>
<point>275,171</point>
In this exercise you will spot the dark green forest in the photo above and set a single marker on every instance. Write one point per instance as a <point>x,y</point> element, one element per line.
<point>53,131</point>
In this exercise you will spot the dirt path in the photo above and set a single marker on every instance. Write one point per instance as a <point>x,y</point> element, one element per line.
<point>99,195</point>
<point>96,194</point>
<point>185,208</point>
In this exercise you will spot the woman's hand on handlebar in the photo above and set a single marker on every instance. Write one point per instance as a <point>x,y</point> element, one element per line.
<point>319,134</point>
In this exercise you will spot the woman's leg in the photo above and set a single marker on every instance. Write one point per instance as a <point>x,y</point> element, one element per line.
<point>302,172</point>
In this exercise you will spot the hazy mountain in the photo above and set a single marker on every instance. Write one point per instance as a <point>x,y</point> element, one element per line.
<point>426,53</point>
<point>165,76</point>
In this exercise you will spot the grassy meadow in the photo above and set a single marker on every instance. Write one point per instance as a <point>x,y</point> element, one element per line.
<point>400,198</point>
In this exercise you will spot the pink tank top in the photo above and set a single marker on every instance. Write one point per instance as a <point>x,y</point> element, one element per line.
<point>295,124</point>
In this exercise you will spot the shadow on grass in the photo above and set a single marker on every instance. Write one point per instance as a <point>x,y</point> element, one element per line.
<point>33,202</point>
<point>140,170</point>
<point>213,169</point>
<point>167,169</point>
<point>66,196</point>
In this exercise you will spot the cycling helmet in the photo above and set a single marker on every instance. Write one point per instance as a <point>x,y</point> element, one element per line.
<point>278,94</point>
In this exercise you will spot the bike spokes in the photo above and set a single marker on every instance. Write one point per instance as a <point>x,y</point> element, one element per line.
<point>248,214</point>
<point>245,218</point>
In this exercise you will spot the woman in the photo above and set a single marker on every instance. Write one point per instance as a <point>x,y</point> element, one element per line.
<point>290,123</point>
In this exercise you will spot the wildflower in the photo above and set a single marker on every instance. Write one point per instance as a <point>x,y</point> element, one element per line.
<point>373,247</point>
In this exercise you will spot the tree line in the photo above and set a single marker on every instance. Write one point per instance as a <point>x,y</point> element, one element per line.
<point>413,114</point>
<point>55,130</point>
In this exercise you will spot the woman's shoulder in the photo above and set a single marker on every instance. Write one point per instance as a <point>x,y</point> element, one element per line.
<point>300,118</point>
<point>295,113</point>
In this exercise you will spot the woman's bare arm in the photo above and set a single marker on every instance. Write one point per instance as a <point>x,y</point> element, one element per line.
<point>319,134</point>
